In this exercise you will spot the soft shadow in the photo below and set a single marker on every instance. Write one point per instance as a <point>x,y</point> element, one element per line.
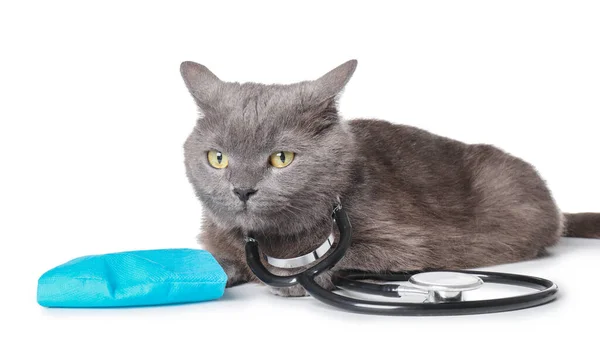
<point>568,245</point>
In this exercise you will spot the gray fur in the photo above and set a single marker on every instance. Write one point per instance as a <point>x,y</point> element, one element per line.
<point>416,200</point>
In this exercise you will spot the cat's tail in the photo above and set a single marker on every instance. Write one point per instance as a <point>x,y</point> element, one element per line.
<point>582,225</point>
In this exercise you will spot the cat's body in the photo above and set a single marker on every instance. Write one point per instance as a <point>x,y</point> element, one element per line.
<point>415,200</point>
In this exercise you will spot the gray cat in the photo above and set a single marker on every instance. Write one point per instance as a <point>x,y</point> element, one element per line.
<point>272,160</point>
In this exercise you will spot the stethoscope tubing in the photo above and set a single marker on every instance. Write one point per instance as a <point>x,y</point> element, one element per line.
<point>546,290</point>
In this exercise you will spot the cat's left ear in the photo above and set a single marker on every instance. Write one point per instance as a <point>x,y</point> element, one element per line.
<point>331,84</point>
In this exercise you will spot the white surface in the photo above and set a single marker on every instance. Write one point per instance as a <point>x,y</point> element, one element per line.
<point>93,115</point>
<point>249,321</point>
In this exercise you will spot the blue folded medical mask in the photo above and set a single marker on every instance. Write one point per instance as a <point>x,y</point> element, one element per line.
<point>133,278</point>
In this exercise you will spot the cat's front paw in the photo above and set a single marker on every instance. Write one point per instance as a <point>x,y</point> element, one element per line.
<point>295,291</point>
<point>324,280</point>
<point>235,271</point>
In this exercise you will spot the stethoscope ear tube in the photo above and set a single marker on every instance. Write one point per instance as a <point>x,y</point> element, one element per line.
<point>261,272</point>
<point>257,267</point>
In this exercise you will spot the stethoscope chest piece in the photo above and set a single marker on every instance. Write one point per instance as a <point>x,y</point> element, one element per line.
<point>445,285</point>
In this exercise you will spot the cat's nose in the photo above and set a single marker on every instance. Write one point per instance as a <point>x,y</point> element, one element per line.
<point>244,194</point>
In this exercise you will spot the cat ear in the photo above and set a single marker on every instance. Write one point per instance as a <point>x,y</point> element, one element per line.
<point>332,83</point>
<point>200,81</point>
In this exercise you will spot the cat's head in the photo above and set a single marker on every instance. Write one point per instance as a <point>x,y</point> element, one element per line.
<point>267,157</point>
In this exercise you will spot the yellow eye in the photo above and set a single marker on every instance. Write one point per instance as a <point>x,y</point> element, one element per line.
<point>217,159</point>
<point>281,159</point>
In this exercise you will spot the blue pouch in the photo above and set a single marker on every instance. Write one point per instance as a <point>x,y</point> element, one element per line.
<point>133,278</point>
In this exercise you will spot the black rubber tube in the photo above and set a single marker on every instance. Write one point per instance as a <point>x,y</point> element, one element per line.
<point>546,290</point>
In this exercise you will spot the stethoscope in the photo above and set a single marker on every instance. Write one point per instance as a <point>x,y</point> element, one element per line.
<point>442,291</point>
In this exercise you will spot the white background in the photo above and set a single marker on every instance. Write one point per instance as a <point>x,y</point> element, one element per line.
<point>94,113</point>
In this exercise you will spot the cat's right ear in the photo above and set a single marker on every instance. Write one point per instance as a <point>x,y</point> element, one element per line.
<point>201,83</point>
<point>332,83</point>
